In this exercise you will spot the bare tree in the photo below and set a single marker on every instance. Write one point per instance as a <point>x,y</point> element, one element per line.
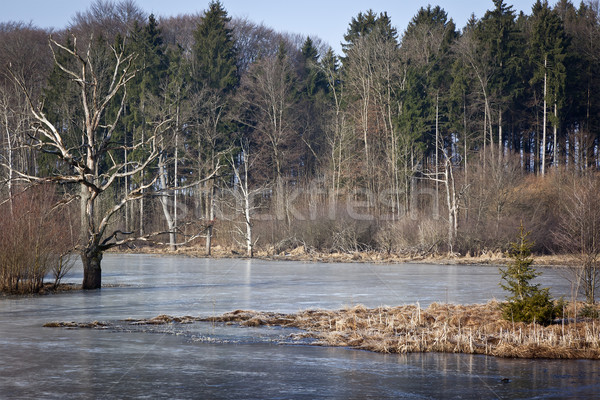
<point>107,19</point>
<point>267,96</point>
<point>481,70</point>
<point>24,50</point>
<point>389,77</point>
<point>454,196</point>
<point>209,108</point>
<point>359,76</point>
<point>246,194</point>
<point>579,233</point>
<point>92,162</point>
<point>339,135</point>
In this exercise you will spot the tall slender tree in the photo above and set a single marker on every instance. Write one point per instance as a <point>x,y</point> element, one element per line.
<point>214,77</point>
<point>547,55</point>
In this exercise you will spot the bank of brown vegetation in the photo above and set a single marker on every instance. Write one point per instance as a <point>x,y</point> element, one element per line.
<point>302,254</point>
<point>448,328</point>
<point>445,328</point>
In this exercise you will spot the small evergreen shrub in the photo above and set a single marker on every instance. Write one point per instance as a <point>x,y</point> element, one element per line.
<point>527,302</point>
<point>589,311</point>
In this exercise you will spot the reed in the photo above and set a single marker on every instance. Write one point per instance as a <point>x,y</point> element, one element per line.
<point>447,328</point>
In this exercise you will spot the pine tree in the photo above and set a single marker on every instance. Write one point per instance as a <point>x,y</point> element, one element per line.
<point>214,55</point>
<point>214,77</point>
<point>365,24</point>
<point>500,39</point>
<point>528,302</point>
<point>359,27</point>
<point>314,80</point>
<point>313,97</point>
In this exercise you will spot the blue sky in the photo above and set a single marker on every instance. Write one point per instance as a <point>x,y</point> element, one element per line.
<point>327,19</point>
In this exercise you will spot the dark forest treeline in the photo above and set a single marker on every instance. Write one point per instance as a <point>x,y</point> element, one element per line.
<point>430,138</point>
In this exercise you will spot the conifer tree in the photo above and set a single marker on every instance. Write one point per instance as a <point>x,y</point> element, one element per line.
<point>313,97</point>
<point>214,76</point>
<point>151,64</point>
<point>528,302</point>
<point>214,54</point>
<point>547,51</point>
<point>314,80</point>
<point>359,27</point>
<point>499,37</point>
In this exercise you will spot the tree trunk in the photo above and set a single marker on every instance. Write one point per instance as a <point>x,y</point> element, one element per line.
<point>92,273</point>
<point>175,175</point>
<point>466,166</point>
<point>437,146</point>
<point>211,216</point>
<point>165,202</point>
<point>500,138</point>
<point>555,144</point>
<point>247,216</point>
<point>484,137</point>
<point>126,188</point>
<point>142,192</point>
<point>543,155</point>
<point>10,162</point>
<point>141,226</point>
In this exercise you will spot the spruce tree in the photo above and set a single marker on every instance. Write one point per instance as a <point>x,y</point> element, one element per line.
<point>214,77</point>
<point>527,302</point>
<point>359,27</point>
<point>314,101</point>
<point>151,64</point>
<point>214,54</point>
<point>314,80</point>
<point>501,41</point>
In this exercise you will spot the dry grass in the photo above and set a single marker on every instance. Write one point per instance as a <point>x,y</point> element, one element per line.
<point>445,328</point>
<point>473,329</point>
<point>70,324</point>
<point>301,254</point>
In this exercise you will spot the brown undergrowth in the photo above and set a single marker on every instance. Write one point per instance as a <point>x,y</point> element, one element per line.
<point>46,288</point>
<point>303,255</point>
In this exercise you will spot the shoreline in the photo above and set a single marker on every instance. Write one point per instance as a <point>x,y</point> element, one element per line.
<point>439,328</point>
<point>299,254</point>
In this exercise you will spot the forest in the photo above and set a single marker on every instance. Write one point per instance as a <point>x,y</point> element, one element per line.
<point>201,129</point>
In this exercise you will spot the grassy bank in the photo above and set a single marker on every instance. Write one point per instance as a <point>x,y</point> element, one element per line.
<point>445,328</point>
<point>304,255</point>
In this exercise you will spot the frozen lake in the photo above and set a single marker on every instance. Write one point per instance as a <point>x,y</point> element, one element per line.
<point>203,360</point>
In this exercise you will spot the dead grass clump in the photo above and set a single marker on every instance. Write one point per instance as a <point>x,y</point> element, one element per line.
<point>71,324</point>
<point>162,320</point>
<point>448,328</point>
<point>474,329</point>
